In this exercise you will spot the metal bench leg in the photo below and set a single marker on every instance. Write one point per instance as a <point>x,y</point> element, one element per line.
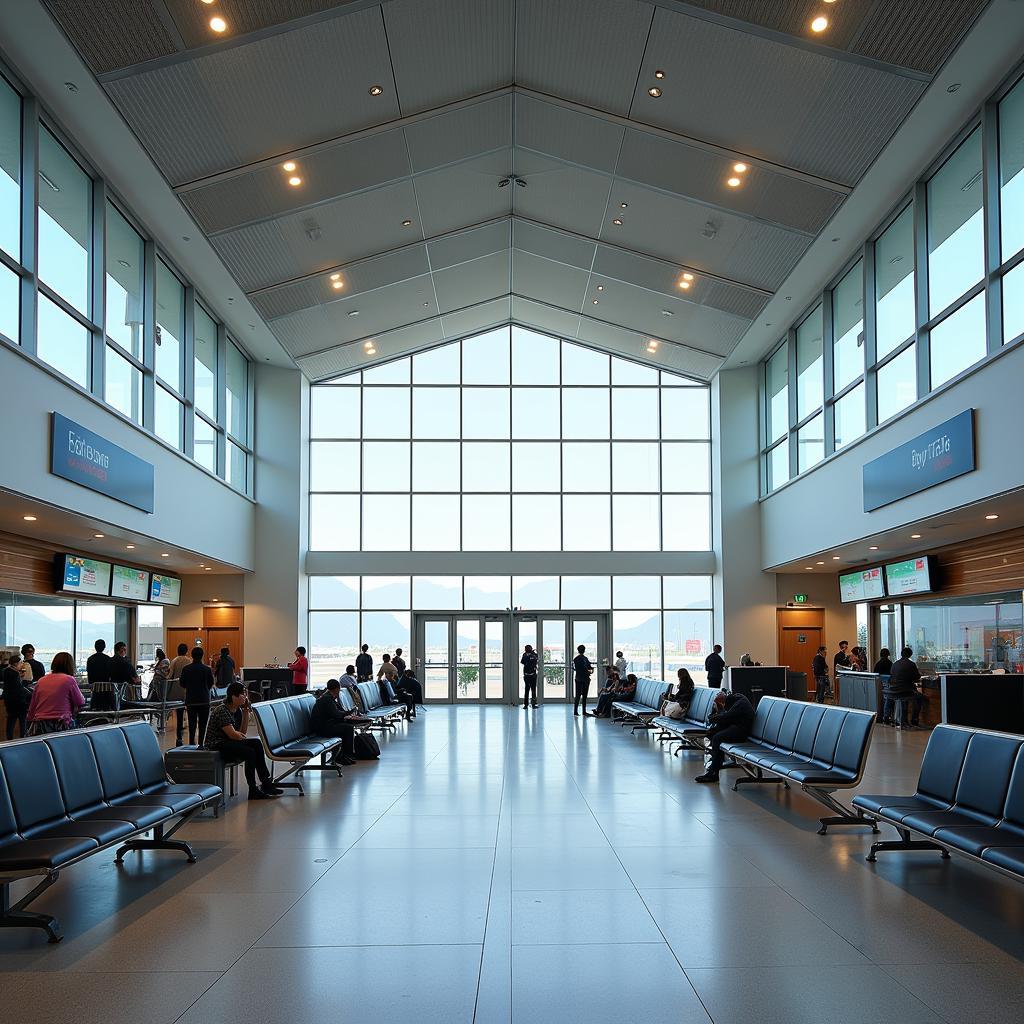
<point>905,843</point>
<point>158,842</point>
<point>15,915</point>
<point>844,815</point>
<point>294,770</point>
<point>759,778</point>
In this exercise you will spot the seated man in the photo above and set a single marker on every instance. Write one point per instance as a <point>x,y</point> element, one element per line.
<point>604,696</point>
<point>329,718</point>
<point>226,732</point>
<point>348,680</point>
<point>412,688</point>
<point>731,719</point>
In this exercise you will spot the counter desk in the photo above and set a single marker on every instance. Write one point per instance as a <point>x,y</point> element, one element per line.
<point>984,700</point>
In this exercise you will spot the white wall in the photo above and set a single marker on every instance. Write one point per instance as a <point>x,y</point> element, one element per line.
<point>276,595</point>
<point>198,591</point>
<point>745,597</point>
<point>193,510</point>
<point>824,508</point>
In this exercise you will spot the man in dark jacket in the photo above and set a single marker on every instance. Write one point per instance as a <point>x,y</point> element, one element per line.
<point>714,665</point>
<point>529,662</point>
<point>903,680</point>
<point>731,720</point>
<point>328,718</point>
<point>364,664</point>
<point>196,680</point>
<point>819,668</point>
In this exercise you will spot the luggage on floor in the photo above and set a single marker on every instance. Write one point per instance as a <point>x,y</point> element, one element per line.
<point>366,747</point>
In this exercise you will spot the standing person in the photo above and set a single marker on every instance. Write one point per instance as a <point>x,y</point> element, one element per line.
<point>364,664</point>
<point>161,675</point>
<point>858,660</point>
<point>122,671</point>
<point>731,720</point>
<point>97,667</point>
<point>56,699</point>
<point>31,670</point>
<point>714,665</point>
<point>197,682</point>
<point>226,732</point>
<point>399,662</point>
<point>300,671</point>
<point>819,669</point>
<point>224,668</point>
<point>841,659</point>
<point>178,663</point>
<point>328,718</point>
<point>903,681</point>
<point>582,671</point>
<point>16,696</point>
<point>620,664</point>
<point>529,662</point>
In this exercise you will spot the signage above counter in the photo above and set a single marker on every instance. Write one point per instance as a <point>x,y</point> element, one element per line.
<point>941,454</point>
<point>83,457</point>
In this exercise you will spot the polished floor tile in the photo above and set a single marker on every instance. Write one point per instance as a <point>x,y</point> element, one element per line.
<point>569,917</point>
<point>568,867</point>
<point>967,993</point>
<point>685,867</point>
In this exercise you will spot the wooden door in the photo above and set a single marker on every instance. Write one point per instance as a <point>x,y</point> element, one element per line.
<point>187,635</point>
<point>801,633</point>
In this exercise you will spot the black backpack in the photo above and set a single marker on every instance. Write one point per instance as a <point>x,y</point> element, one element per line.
<point>366,747</point>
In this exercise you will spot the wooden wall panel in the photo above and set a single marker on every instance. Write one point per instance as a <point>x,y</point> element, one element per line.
<point>983,565</point>
<point>26,566</point>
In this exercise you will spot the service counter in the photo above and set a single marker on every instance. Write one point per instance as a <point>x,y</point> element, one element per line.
<point>860,690</point>
<point>756,681</point>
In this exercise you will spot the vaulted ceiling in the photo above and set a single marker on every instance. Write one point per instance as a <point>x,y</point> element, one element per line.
<point>563,164</point>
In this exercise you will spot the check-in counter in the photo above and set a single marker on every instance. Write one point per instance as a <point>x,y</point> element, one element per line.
<point>268,682</point>
<point>860,690</point>
<point>756,681</point>
<point>984,700</point>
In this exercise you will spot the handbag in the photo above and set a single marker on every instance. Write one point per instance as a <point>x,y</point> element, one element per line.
<point>673,709</point>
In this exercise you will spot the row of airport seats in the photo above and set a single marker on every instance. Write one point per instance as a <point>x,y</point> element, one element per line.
<point>644,707</point>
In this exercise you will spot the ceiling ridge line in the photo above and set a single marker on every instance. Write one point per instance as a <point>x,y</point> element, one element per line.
<point>640,66</point>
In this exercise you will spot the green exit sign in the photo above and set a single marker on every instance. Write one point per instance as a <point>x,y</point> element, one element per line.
<point>800,599</point>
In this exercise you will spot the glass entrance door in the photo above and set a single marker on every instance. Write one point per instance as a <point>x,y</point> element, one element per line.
<point>461,657</point>
<point>555,637</point>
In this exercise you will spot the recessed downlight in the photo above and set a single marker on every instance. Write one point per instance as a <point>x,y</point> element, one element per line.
<point>992,516</point>
<point>623,206</point>
<point>809,568</point>
<point>733,182</point>
<point>617,221</point>
<point>595,301</point>
<point>376,90</point>
<point>915,536</point>
<point>740,168</point>
<point>684,284</point>
<point>289,166</point>
<point>207,568</point>
<point>335,276</point>
<point>353,312</point>
<point>218,24</point>
<point>600,287</point>
<point>98,536</point>
<point>295,181</point>
<point>129,547</point>
<point>337,285</point>
<point>29,519</point>
<point>835,558</point>
<point>821,563</point>
<point>654,92</point>
<point>406,223</point>
<point>874,547</point>
<point>659,75</point>
<point>165,554</point>
<point>819,24</point>
<point>687,277</point>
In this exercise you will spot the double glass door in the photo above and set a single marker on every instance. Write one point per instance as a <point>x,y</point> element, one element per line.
<point>469,658</point>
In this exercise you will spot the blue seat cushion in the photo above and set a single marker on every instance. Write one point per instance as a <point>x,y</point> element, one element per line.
<point>1010,858</point>
<point>929,822</point>
<point>886,804</point>
<point>976,839</point>
<point>138,816</point>
<point>27,854</point>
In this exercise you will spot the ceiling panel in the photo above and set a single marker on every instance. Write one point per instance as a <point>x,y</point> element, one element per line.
<point>444,50</point>
<point>553,244</point>
<point>548,281</point>
<point>473,282</point>
<point>378,311</point>
<point>544,318</point>
<point>241,15</point>
<point>329,173</point>
<point>244,103</point>
<point>561,195</point>
<point>304,331</point>
<point>567,134</point>
<point>583,50</point>
<point>478,318</point>
<point>352,357</point>
<point>457,134</point>
<point>468,245</point>
<point>468,193</point>
<point>634,344</point>
<point>783,103</point>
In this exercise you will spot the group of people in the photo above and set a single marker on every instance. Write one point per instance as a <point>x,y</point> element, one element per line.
<point>40,702</point>
<point>393,672</point>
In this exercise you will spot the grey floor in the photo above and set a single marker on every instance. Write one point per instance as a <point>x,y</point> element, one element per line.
<point>499,865</point>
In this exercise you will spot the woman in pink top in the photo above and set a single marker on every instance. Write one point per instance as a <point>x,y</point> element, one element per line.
<point>56,699</point>
<point>300,671</point>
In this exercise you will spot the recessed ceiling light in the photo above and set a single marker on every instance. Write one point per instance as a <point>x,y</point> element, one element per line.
<point>406,223</point>
<point>99,536</point>
<point>992,516</point>
<point>207,567</point>
<point>739,168</point>
<point>353,312</point>
<point>734,182</point>
<point>29,519</point>
<point>684,284</point>
<point>295,181</point>
<point>130,547</point>
<point>165,554</point>
<point>874,547</point>
<point>819,24</point>
<point>376,90</point>
<point>654,92</point>
<point>915,536</point>
<point>214,1</point>
<point>809,568</point>
<point>337,285</point>
<point>617,222</point>
<point>596,301</point>
<point>652,345</point>
<point>371,351</point>
<point>288,165</point>
<point>600,287</point>
<point>124,263</point>
<point>623,206</point>
<point>335,277</point>
<point>218,24</point>
<point>667,312</point>
<point>687,277</point>
<point>835,558</point>
<point>821,563</point>
<point>659,74</point>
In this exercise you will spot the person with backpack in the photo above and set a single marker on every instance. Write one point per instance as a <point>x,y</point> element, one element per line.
<point>364,664</point>
<point>529,663</point>
<point>329,718</point>
<point>224,669</point>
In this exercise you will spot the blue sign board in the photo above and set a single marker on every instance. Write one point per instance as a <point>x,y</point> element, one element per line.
<point>85,458</point>
<point>943,453</point>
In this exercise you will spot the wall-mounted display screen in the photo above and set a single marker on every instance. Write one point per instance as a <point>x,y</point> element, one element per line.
<point>165,589</point>
<point>865,585</point>
<point>910,577</point>
<point>77,575</point>
<point>130,584</point>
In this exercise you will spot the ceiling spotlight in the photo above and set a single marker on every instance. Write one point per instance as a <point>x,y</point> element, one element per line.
<point>659,74</point>
<point>129,547</point>
<point>819,24</point>
<point>407,223</point>
<point>623,206</point>
<point>809,568</point>
<point>667,312</point>
<point>739,168</point>
<point>835,558</point>
<point>733,182</point>
<point>165,554</point>
<point>376,90</point>
<point>684,284</point>
<point>294,181</point>
<point>600,287</point>
<point>915,536</point>
<point>218,24</point>
<point>288,165</point>
<point>617,222</point>
<point>652,345</point>
<point>821,563</point>
<point>337,285</point>
<point>874,547</point>
<point>687,277</point>
<point>336,276</point>
<point>99,536</point>
<point>371,351</point>
<point>595,301</point>
<point>29,519</point>
<point>654,92</point>
<point>992,516</point>
<point>353,312</point>
<point>207,568</point>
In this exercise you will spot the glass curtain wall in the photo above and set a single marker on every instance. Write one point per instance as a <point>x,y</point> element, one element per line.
<point>930,322</point>
<point>660,623</point>
<point>510,441</point>
<point>95,280</point>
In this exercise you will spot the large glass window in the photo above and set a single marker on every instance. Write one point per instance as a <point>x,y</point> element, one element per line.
<point>848,328</point>
<point>958,341</point>
<point>204,444</point>
<point>125,278</point>
<point>237,392</point>
<point>205,373</point>
<point>850,417</point>
<point>10,304</point>
<point>894,284</point>
<point>170,320</point>
<point>521,466</point>
<point>63,342</point>
<point>168,417</point>
<point>1013,304</point>
<point>777,385</point>
<point>10,174</point>
<point>777,465</point>
<point>809,371</point>
<point>810,443</point>
<point>956,232</point>
<point>123,384</point>
<point>897,383</point>
<point>1011,170</point>
<point>65,223</point>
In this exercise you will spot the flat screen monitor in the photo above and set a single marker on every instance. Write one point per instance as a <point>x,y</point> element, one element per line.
<point>165,589</point>
<point>914,576</point>
<point>129,584</point>
<point>78,575</point>
<point>865,585</point>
